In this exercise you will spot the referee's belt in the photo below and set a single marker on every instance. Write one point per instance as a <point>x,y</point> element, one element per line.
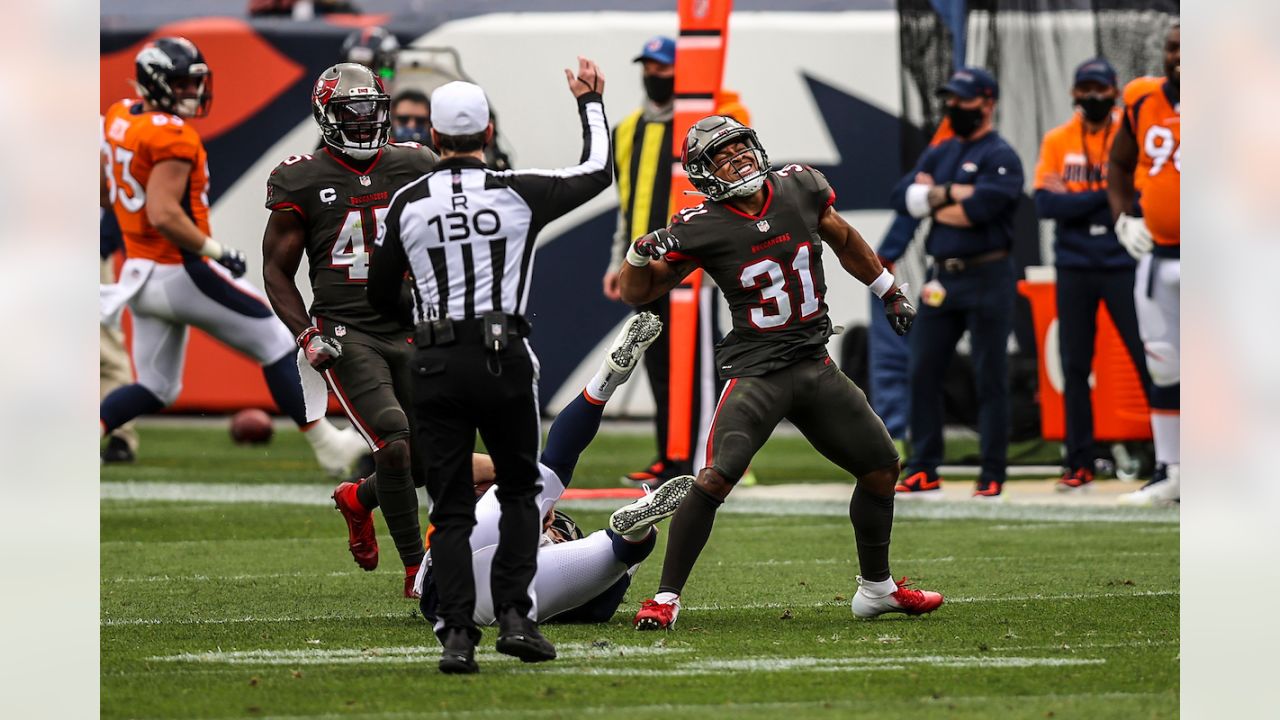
<point>960,264</point>
<point>448,331</point>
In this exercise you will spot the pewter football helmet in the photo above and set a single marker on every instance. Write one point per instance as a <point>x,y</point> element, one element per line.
<point>352,109</point>
<point>704,139</point>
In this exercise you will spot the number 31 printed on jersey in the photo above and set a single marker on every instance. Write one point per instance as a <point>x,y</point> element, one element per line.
<point>355,241</point>
<point>768,276</point>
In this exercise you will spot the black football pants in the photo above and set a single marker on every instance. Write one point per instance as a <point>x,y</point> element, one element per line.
<point>1079,292</point>
<point>457,393</point>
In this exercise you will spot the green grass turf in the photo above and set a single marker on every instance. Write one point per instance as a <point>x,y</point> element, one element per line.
<point>254,610</point>
<point>203,454</point>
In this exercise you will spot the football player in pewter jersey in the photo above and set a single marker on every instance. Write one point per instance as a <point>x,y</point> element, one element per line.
<point>760,236</point>
<point>327,206</point>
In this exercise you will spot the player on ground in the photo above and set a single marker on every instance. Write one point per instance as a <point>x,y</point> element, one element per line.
<point>157,174</point>
<point>760,238</point>
<point>1148,153</point>
<point>328,207</point>
<point>579,579</point>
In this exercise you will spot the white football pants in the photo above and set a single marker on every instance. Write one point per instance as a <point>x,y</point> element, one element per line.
<point>1156,295</point>
<point>207,297</point>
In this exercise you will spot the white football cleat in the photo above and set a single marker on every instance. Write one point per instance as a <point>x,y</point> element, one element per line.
<point>645,512</point>
<point>1159,493</point>
<point>637,334</point>
<point>336,450</point>
<point>903,600</point>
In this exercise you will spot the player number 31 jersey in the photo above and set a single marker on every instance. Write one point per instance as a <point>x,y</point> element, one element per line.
<point>769,267</point>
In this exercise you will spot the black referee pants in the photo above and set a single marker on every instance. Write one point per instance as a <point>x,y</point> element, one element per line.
<point>1078,292</point>
<point>455,394</point>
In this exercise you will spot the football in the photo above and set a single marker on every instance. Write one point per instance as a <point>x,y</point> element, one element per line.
<point>251,427</point>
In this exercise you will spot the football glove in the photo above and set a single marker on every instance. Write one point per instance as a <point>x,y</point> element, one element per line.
<point>899,310</point>
<point>1134,235</point>
<point>320,350</point>
<point>233,260</point>
<point>656,244</point>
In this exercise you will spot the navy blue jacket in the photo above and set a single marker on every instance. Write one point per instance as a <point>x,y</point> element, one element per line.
<point>1084,238</point>
<point>993,168</point>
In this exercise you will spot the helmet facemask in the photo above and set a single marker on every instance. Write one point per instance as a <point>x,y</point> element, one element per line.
<point>358,126</point>
<point>193,92</point>
<point>173,77</point>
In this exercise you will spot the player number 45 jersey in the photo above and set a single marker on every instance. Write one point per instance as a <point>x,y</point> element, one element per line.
<point>769,267</point>
<point>341,208</point>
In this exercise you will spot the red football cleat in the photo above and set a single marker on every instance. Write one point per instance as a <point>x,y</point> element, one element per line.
<point>920,484</point>
<point>410,575</point>
<point>1077,479</point>
<point>362,538</point>
<point>650,475</point>
<point>904,600</point>
<point>654,615</point>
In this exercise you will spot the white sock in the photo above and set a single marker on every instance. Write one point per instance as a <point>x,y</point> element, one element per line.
<point>638,535</point>
<point>664,598</point>
<point>1166,431</point>
<point>879,589</point>
<point>605,381</point>
<point>321,432</point>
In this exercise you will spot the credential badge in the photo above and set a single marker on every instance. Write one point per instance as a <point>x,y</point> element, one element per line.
<point>763,226</point>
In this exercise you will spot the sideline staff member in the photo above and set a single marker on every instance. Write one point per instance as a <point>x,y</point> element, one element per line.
<point>1092,266</point>
<point>970,185</point>
<point>468,233</point>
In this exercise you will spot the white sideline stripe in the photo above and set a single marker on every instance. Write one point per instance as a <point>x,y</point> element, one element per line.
<point>115,622</point>
<point>945,510</point>
<point>405,654</point>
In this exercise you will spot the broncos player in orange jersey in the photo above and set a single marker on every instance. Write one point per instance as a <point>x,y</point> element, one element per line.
<point>156,176</point>
<point>1146,158</point>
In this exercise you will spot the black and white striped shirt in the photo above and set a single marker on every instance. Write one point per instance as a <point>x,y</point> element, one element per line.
<point>467,233</point>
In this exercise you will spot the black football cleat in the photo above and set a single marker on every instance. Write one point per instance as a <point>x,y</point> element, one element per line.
<point>117,451</point>
<point>459,654</point>
<point>518,636</point>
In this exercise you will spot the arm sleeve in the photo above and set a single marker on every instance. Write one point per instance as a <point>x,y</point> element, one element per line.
<point>996,188</point>
<point>552,193</point>
<point>386,276</point>
<point>898,198</point>
<point>1069,206</point>
<point>281,195</point>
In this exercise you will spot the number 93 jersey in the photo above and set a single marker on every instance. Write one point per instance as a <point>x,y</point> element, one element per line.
<point>341,208</point>
<point>769,267</point>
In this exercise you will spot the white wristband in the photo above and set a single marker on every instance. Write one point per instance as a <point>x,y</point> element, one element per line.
<point>882,284</point>
<point>918,200</point>
<point>211,248</point>
<point>636,258</point>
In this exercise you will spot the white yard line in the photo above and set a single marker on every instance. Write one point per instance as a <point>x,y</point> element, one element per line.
<point>408,614</point>
<point>830,499</point>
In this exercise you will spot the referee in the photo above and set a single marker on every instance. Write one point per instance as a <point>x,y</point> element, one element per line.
<point>467,234</point>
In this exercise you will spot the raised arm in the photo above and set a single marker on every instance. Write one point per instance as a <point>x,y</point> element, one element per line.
<point>552,193</point>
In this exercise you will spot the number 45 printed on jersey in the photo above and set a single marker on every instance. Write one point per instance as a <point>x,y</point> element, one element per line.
<point>355,241</point>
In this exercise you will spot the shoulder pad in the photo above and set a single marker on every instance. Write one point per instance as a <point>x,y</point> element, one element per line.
<point>1138,87</point>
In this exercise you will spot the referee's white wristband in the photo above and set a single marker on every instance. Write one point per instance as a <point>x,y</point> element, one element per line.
<point>636,258</point>
<point>917,200</point>
<point>882,284</point>
<point>211,248</point>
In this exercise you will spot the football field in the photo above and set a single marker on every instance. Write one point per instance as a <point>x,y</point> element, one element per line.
<point>242,601</point>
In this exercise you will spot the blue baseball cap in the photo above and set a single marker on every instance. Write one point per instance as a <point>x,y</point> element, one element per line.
<point>659,49</point>
<point>971,82</point>
<point>1096,70</point>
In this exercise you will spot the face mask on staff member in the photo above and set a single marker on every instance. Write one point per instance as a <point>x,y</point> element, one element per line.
<point>970,98</point>
<point>659,81</point>
<point>1094,100</point>
<point>968,116</point>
